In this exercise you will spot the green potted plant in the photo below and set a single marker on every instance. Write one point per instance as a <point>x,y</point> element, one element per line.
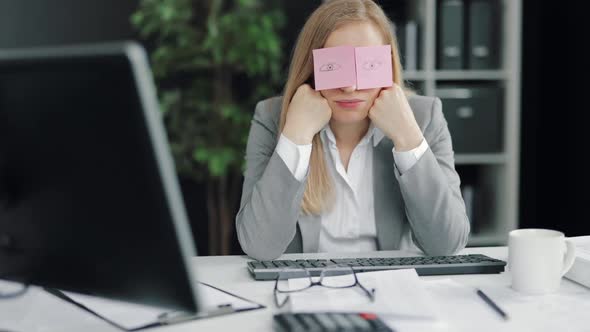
<point>212,61</point>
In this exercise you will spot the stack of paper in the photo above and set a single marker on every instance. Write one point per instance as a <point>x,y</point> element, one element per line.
<point>580,271</point>
<point>398,293</point>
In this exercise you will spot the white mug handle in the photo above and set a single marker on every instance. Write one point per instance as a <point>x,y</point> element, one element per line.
<point>570,256</point>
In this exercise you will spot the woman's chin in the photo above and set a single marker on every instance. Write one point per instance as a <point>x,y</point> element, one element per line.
<point>348,117</point>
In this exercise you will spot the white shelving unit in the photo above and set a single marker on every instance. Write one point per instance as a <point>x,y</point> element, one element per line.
<point>499,172</point>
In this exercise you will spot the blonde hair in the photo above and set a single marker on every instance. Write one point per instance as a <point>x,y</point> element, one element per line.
<point>328,17</point>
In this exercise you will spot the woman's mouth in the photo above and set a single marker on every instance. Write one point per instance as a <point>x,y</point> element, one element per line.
<point>349,103</point>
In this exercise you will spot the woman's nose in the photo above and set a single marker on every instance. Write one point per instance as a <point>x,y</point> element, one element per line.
<point>348,88</point>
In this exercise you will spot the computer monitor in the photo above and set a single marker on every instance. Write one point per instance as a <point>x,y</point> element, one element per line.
<point>89,199</point>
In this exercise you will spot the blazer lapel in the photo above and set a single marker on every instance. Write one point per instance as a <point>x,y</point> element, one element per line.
<point>389,206</point>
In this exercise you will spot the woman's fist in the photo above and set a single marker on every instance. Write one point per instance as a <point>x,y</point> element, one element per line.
<point>392,114</point>
<point>307,114</point>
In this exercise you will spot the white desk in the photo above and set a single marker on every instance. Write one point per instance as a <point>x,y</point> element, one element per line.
<point>37,311</point>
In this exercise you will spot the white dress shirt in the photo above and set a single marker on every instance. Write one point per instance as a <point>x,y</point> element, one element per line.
<point>350,225</point>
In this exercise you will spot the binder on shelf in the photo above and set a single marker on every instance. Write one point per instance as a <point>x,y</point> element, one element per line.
<point>407,40</point>
<point>474,115</point>
<point>483,47</point>
<point>400,35</point>
<point>451,43</point>
<point>411,47</point>
<point>468,194</point>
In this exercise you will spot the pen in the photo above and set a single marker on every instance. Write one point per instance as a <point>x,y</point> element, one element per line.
<point>492,304</point>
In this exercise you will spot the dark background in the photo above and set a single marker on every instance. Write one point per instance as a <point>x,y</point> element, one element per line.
<point>554,101</point>
<point>555,72</point>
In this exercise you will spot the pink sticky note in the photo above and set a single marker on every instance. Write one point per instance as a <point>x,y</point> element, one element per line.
<point>334,67</point>
<point>373,67</point>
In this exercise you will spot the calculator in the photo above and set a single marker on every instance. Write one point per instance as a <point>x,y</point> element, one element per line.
<point>328,321</point>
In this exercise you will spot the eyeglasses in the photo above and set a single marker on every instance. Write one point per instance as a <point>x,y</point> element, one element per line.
<point>301,280</point>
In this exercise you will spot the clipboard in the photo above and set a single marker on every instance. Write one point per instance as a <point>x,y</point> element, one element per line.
<point>135,317</point>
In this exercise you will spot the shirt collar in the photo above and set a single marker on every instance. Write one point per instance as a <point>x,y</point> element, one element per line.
<point>373,133</point>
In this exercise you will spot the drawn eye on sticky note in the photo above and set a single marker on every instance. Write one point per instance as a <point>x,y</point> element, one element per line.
<point>372,64</point>
<point>330,66</point>
<point>334,67</point>
<point>374,67</point>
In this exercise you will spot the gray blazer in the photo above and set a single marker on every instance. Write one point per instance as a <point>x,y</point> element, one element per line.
<point>427,196</point>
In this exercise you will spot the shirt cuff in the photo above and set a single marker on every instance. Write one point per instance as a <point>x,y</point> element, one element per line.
<point>296,157</point>
<point>406,159</point>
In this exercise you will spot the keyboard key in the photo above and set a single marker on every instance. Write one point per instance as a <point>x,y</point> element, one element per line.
<point>310,323</point>
<point>291,323</point>
<point>342,323</point>
<point>291,264</point>
<point>360,323</point>
<point>326,322</point>
<point>269,264</point>
<point>256,265</point>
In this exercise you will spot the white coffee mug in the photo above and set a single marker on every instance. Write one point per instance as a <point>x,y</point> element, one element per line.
<point>537,259</point>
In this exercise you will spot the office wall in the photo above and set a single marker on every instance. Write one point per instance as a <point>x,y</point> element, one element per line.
<point>25,23</point>
<point>555,119</point>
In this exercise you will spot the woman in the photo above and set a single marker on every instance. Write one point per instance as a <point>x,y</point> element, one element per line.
<point>345,169</point>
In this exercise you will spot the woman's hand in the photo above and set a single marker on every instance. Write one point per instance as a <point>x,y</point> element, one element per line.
<point>307,114</point>
<point>392,114</point>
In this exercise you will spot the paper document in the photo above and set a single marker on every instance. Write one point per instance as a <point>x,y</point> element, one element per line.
<point>463,309</point>
<point>566,310</point>
<point>580,271</point>
<point>133,316</point>
<point>582,246</point>
<point>398,293</point>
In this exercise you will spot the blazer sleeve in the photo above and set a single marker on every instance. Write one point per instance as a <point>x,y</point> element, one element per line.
<point>431,193</point>
<point>271,196</point>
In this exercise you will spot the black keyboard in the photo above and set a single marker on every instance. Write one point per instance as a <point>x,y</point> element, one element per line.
<point>424,265</point>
